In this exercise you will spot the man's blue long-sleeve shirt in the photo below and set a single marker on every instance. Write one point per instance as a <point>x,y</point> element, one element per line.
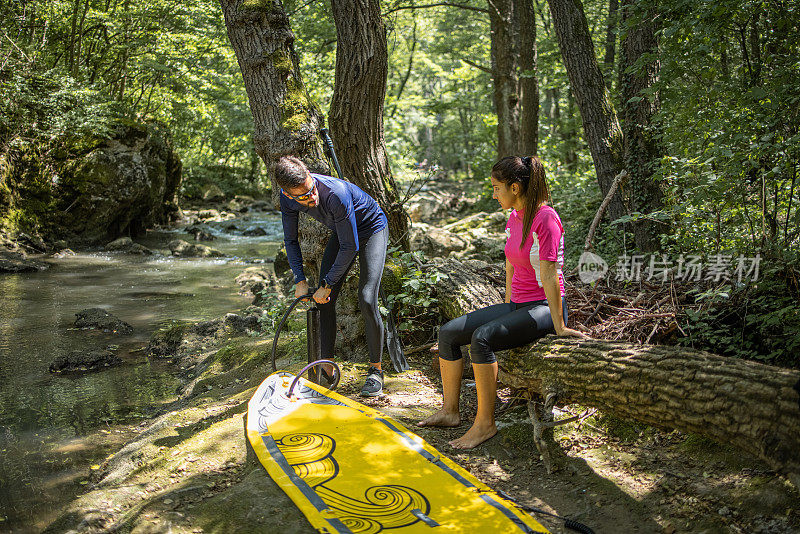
<point>344,208</point>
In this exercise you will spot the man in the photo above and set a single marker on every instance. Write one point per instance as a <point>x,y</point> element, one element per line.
<point>359,228</point>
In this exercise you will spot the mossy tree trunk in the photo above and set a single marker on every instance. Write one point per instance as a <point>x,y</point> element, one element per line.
<point>285,119</point>
<point>356,116</point>
<point>600,124</point>
<point>753,406</point>
<point>528,78</point>
<point>505,65</point>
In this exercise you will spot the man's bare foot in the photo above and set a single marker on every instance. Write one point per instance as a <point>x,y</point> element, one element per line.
<point>476,435</point>
<point>441,418</point>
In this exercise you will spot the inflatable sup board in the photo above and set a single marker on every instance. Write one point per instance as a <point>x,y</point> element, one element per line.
<point>350,468</point>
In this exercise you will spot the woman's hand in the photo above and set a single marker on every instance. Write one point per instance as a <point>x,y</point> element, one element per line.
<point>571,332</point>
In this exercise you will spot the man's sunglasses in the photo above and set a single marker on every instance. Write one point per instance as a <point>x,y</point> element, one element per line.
<point>305,196</point>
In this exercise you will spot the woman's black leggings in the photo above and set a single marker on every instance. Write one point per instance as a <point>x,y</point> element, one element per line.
<point>371,258</point>
<point>497,327</point>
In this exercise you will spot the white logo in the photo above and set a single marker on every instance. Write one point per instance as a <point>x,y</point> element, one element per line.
<point>591,267</point>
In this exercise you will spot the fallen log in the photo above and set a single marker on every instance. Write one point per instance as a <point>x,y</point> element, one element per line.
<point>470,285</point>
<point>752,406</point>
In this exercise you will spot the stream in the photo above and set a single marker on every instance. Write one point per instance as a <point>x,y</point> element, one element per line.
<point>53,428</point>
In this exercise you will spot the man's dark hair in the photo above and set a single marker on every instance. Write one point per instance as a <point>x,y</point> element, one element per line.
<point>290,173</point>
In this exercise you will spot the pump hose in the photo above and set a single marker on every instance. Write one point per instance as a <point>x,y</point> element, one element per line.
<point>283,322</point>
<point>569,523</point>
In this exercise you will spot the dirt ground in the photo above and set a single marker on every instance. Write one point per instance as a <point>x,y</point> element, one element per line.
<point>614,476</point>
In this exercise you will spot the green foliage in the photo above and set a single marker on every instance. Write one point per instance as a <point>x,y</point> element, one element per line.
<point>759,320</point>
<point>73,65</point>
<point>413,296</point>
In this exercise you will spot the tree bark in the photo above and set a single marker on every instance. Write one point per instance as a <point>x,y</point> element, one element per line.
<point>285,119</point>
<point>601,126</point>
<point>611,41</point>
<point>643,148</point>
<point>505,62</point>
<point>750,405</point>
<point>356,116</point>
<point>528,79</point>
<point>470,285</point>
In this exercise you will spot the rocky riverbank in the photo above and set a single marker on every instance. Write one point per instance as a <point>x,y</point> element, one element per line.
<point>189,470</point>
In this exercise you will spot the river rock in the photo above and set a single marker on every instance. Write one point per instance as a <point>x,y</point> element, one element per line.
<point>255,231</point>
<point>79,360</point>
<point>213,193</point>
<point>258,283</point>
<point>435,241</point>
<point>126,245</point>
<point>102,320</point>
<point>209,215</point>
<point>200,233</point>
<point>241,323</point>
<point>18,262</point>
<point>261,205</point>
<point>64,253</point>
<point>181,248</point>
<point>97,188</point>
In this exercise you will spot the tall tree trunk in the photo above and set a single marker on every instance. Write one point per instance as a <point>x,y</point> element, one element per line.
<point>356,116</point>
<point>755,48</point>
<point>285,119</point>
<point>600,123</point>
<point>752,406</point>
<point>505,61</point>
<point>643,148</point>
<point>611,41</point>
<point>528,79</point>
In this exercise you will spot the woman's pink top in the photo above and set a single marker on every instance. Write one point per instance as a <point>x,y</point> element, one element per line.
<point>545,242</point>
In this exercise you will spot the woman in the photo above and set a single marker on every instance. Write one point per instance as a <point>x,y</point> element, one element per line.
<point>534,305</point>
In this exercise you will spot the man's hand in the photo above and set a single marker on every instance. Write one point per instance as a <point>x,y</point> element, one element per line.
<point>301,289</point>
<point>322,295</point>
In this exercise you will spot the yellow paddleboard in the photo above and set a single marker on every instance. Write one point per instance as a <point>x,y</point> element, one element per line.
<point>350,468</point>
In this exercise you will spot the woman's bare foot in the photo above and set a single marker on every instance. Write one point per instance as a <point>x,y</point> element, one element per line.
<point>442,418</point>
<point>476,435</point>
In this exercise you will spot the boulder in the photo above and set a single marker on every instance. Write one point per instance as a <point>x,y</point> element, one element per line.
<point>126,245</point>
<point>261,205</point>
<point>181,248</point>
<point>93,190</point>
<point>18,262</point>
<point>435,241</point>
<point>100,319</point>
<point>81,361</point>
<point>200,232</point>
<point>258,283</point>
<point>241,323</point>
<point>212,193</point>
<point>64,253</point>
<point>255,231</point>
<point>209,215</point>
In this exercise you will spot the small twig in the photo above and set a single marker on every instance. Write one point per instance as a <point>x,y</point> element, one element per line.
<point>420,348</point>
<point>602,209</point>
<point>653,331</point>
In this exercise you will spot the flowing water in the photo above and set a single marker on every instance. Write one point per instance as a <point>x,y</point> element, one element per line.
<point>54,427</point>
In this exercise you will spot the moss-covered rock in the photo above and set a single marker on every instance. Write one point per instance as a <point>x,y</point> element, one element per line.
<point>91,189</point>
